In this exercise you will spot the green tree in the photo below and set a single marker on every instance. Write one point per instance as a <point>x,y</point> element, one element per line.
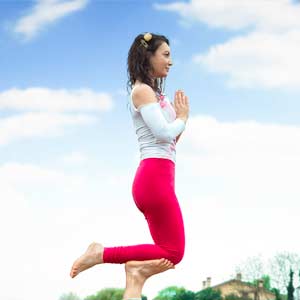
<point>69,296</point>
<point>107,294</point>
<point>208,294</point>
<point>277,294</point>
<point>175,293</point>
<point>277,267</point>
<point>252,268</point>
<point>280,267</point>
<point>266,282</point>
<point>290,288</point>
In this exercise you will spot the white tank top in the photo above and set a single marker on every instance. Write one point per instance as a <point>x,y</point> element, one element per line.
<point>148,144</point>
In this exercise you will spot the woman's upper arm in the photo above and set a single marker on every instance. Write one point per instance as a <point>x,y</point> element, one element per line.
<point>143,95</point>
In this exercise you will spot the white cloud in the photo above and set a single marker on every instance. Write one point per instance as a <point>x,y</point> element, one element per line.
<point>44,13</point>
<point>234,15</point>
<point>22,175</point>
<point>43,99</point>
<point>257,60</point>
<point>30,227</point>
<point>246,154</point>
<point>265,56</point>
<point>242,138</point>
<point>29,125</point>
<point>49,111</point>
<point>75,157</point>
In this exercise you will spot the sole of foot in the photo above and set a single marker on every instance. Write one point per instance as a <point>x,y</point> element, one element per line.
<point>92,256</point>
<point>147,268</point>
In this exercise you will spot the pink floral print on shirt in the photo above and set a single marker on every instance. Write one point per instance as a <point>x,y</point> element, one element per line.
<point>166,105</point>
<point>162,101</point>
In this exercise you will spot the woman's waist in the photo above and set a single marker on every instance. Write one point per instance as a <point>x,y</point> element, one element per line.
<point>160,164</point>
<point>157,147</point>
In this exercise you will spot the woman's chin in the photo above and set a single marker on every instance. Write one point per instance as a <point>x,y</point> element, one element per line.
<point>162,75</point>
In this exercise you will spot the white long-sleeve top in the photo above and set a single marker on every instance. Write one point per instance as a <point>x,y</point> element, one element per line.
<point>156,127</point>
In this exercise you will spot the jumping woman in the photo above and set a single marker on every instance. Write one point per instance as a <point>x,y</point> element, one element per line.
<point>158,124</point>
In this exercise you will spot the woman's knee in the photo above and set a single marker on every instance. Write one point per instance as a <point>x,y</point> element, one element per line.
<point>176,256</point>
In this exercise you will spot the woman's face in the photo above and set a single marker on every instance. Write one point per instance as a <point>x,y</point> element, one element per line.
<point>161,61</point>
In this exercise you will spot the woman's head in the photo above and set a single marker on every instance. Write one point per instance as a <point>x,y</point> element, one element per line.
<point>149,60</point>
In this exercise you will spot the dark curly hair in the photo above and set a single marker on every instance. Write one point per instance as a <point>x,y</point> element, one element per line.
<point>138,62</point>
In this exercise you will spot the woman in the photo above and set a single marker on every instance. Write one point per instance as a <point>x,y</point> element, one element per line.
<point>158,124</point>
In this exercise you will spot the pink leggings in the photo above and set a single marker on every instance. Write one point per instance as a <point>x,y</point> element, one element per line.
<point>154,195</point>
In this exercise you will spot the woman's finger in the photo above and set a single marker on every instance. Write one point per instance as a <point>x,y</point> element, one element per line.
<point>178,98</point>
<point>186,100</point>
<point>182,97</point>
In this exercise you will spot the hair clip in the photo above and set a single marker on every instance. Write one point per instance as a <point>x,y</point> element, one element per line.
<point>144,43</point>
<point>146,38</point>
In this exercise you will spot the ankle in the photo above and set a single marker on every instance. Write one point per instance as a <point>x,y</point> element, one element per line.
<point>134,280</point>
<point>134,287</point>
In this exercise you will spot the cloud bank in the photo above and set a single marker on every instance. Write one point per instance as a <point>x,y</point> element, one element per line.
<point>44,13</point>
<point>43,112</point>
<point>263,51</point>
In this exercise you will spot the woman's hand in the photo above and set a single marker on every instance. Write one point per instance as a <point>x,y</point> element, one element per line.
<point>181,105</point>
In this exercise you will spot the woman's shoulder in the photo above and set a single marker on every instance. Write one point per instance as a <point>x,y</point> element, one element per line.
<point>141,88</point>
<point>142,93</point>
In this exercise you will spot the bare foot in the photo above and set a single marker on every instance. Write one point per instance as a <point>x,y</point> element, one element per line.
<point>142,270</point>
<point>92,256</point>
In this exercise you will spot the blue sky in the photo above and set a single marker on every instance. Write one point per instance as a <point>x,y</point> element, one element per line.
<point>68,150</point>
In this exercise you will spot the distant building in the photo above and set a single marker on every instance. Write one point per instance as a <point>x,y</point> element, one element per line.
<point>241,289</point>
